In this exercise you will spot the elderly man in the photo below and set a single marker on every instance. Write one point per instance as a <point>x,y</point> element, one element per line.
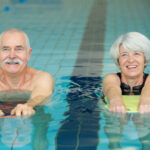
<point>15,75</point>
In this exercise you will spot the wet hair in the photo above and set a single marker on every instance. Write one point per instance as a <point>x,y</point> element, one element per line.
<point>131,41</point>
<point>13,30</point>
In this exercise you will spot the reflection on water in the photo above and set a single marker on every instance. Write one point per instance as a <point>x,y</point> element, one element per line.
<point>14,95</point>
<point>9,99</point>
<point>86,123</point>
<point>79,130</point>
<point>16,132</point>
<point>89,125</point>
<point>23,132</point>
<point>125,131</point>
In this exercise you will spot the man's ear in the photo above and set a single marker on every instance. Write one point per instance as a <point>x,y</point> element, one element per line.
<point>29,54</point>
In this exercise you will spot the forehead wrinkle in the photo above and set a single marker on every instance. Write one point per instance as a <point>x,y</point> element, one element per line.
<point>15,39</point>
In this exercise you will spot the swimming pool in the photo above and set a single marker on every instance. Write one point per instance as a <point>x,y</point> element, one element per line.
<point>71,40</point>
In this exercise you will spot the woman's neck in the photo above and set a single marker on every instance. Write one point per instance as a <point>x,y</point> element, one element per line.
<point>132,81</point>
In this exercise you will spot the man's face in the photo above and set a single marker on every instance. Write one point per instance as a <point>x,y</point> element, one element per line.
<point>13,52</point>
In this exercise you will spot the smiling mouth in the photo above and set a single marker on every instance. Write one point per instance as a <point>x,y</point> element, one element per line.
<point>132,67</point>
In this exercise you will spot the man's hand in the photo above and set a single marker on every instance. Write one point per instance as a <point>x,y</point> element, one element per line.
<point>22,110</point>
<point>1,113</point>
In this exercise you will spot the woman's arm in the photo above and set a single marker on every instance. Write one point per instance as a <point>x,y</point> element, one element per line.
<point>111,89</point>
<point>144,104</point>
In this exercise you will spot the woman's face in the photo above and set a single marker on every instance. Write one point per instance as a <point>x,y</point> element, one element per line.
<point>131,63</point>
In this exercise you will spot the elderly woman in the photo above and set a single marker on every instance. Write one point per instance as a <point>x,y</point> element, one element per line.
<point>130,52</point>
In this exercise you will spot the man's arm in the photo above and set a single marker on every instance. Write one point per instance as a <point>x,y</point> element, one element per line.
<point>43,88</point>
<point>111,89</point>
<point>144,104</point>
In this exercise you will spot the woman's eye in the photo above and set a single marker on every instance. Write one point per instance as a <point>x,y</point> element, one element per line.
<point>124,54</point>
<point>136,53</point>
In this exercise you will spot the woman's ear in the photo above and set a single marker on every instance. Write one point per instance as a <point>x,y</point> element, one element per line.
<point>118,64</point>
<point>145,63</point>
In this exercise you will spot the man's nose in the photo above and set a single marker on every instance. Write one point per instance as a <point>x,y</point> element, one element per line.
<point>12,54</point>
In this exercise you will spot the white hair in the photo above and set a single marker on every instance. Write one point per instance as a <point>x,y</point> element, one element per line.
<point>131,41</point>
<point>13,30</point>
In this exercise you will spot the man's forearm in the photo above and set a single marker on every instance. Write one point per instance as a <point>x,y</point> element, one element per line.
<point>36,101</point>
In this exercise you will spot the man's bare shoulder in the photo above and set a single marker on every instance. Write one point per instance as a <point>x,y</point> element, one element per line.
<point>42,82</point>
<point>40,75</point>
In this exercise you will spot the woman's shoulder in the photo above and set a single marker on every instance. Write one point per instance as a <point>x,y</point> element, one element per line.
<point>111,75</point>
<point>147,76</point>
<point>112,78</point>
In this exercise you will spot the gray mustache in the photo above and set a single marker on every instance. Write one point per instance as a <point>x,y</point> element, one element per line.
<point>12,61</point>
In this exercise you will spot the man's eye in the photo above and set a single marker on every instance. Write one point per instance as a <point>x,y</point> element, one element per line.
<point>5,49</point>
<point>19,49</point>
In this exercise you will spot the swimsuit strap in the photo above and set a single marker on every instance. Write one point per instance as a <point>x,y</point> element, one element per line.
<point>136,89</point>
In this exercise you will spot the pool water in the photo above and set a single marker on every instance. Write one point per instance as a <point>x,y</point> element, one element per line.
<point>70,39</point>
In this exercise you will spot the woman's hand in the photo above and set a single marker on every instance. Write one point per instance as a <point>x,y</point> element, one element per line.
<point>117,106</point>
<point>111,89</point>
<point>144,106</point>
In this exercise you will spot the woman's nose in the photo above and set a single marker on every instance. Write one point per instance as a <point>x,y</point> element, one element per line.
<point>130,58</point>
